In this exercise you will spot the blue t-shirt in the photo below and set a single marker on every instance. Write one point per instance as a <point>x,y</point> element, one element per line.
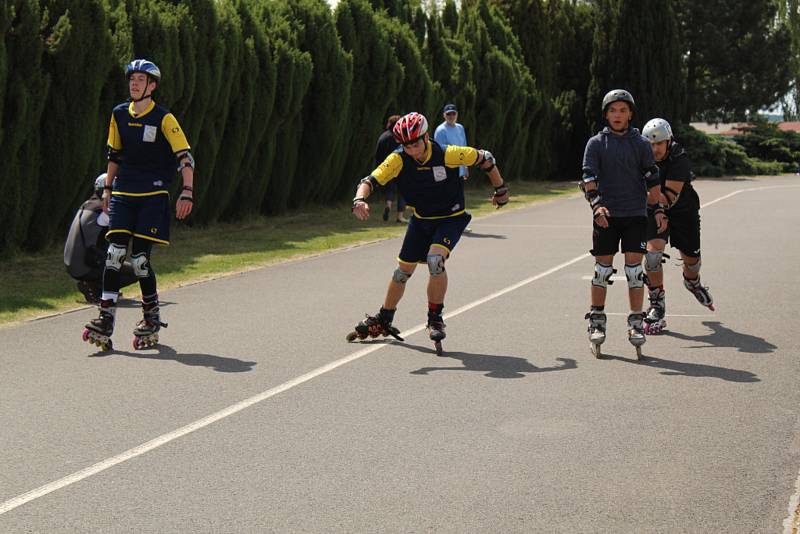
<point>447,135</point>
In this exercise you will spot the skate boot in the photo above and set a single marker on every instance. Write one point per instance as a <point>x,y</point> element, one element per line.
<point>654,320</point>
<point>98,331</point>
<point>700,292</point>
<point>636,332</point>
<point>597,331</point>
<point>145,335</point>
<point>376,325</point>
<point>436,330</point>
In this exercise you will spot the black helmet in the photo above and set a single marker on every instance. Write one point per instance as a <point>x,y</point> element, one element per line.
<point>617,95</point>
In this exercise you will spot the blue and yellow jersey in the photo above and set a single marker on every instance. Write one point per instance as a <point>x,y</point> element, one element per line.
<point>147,144</point>
<point>433,187</point>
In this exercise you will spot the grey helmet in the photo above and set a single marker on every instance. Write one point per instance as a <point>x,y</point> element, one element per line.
<point>99,184</point>
<point>657,130</point>
<point>616,95</point>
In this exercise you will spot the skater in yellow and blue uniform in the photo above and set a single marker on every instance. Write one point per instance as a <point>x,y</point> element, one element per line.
<point>145,147</point>
<point>427,175</point>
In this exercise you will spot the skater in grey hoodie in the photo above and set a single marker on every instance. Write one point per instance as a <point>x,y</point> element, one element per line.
<point>619,174</point>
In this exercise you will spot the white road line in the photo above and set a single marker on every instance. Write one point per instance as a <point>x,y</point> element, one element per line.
<point>108,463</point>
<point>729,195</point>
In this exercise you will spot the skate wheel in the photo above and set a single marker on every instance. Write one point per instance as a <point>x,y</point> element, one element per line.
<point>438,346</point>
<point>85,335</point>
<point>596,351</point>
<point>638,352</point>
<point>711,307</point>
<point>352,337</point>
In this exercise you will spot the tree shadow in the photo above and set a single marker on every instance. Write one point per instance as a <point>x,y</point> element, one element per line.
<point>696,370</point>
<point>165,352</point>
<point>492,366</point>
<point>725,337</point>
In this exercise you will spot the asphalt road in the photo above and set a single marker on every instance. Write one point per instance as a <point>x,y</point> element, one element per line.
<point>255,415</point>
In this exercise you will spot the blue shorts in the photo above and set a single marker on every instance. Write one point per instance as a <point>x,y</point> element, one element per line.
<point>422,233</point>
<point>143,217</point>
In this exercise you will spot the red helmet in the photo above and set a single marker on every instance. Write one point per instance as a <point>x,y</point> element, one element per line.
<point>409,128</point>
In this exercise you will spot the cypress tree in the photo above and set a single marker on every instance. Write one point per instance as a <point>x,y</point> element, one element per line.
<point>78,59</point>
<point>23,88</point>
<point>450,17</point>
<point>416,91</point>
<point>296,71</point>
<point>327,103</point>
<point>377,76</point>
<point>231,121</point>
<point>261,73</point>
<point>641,56</point>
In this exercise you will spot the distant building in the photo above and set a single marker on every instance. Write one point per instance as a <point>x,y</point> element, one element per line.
<point>731,129</point>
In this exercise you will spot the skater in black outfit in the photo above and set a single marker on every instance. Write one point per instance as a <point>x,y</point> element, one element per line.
<point>619,176</point>
<point>385,146</point>
<point>681,204</point>
<point>86,247</point>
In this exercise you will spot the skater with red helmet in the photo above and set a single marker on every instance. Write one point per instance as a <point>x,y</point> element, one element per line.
<point>427,175</point>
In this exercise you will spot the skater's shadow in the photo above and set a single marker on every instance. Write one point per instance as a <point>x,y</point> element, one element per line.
<point>696,370</point>
<point>492,366</point>
<point>483,236</point>
<point>165,352</point>
<point>725,337</point>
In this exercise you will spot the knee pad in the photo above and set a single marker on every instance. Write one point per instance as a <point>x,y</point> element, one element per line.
<point>652,261</point>
<point>435,264</point>
<point>602,275</point>
<point>115,256</point>
<point>693,267</point>
<point>401,277</point>
<point>635,275</point>
<point>140,264</point>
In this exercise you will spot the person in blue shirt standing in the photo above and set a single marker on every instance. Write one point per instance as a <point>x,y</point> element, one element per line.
<point>146,149</point>
<point>450,132</point>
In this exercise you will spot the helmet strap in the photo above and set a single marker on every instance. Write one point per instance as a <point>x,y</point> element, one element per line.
<point>145,94</point>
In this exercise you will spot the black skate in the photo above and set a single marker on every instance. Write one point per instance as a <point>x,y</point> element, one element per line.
<point>145,335</point>
<point>436,331</point>
<point>654,320</point>
<point>700,292</point>
<point>636,332</point>
<point>375,325</point>
<point>98,331</point>
<point>597,331</point>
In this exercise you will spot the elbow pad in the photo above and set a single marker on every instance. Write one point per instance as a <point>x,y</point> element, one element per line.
<point>651,176</point>
<point>484,157</point>
<point>671,195</point>
<point>370,181</point>
<point>185,159</point>
<point>114,155</point>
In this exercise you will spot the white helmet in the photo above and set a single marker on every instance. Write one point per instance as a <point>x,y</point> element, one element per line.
<point>99,184</point>
<point>657,130</point>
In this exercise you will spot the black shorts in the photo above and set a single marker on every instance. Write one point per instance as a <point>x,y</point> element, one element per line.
<point>630,231</point>
<point>422,233</point>
<point>683,231</point>
<point>143,217</point>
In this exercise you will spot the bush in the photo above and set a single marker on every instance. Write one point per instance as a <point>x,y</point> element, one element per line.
<point>713,156</point>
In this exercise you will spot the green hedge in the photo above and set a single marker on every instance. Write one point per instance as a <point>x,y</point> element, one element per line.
<point>282,100</point>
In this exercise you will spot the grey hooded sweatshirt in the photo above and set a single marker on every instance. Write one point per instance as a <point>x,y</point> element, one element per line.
<point>620,163</point>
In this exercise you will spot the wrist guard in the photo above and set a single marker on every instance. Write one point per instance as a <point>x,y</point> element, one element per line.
<point>500,192</point>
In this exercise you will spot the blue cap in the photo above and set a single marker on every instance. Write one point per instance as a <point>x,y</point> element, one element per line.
<point>450,108</point>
